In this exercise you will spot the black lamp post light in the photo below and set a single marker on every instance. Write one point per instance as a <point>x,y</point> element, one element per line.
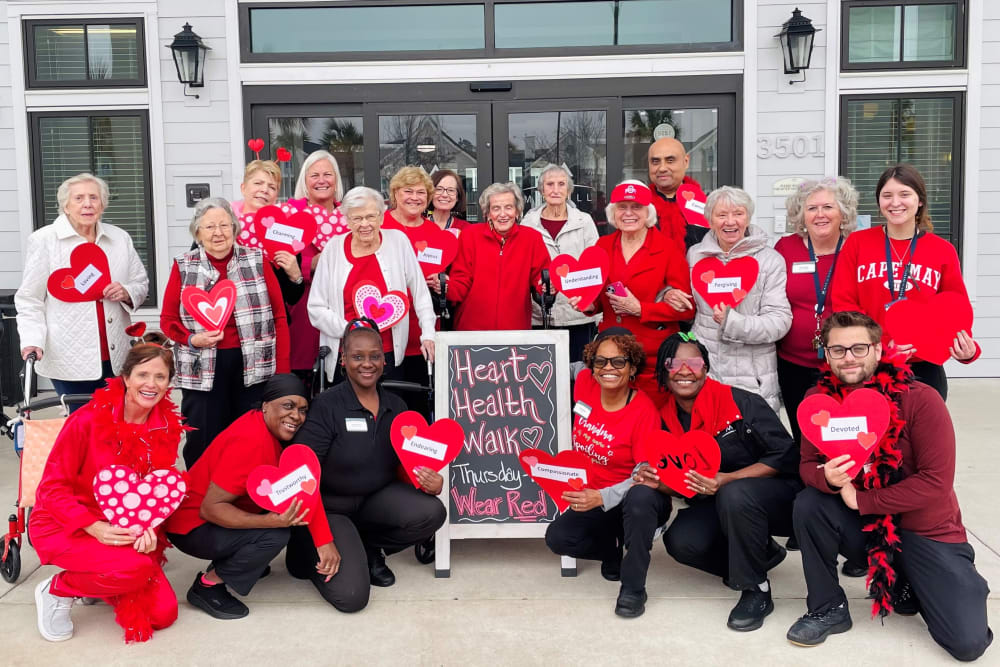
<point>189,57</point>
<point>796,39</point>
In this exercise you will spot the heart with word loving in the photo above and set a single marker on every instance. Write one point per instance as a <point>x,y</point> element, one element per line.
<point>420,444</point>
<point>278,230</point>
<point>583,277</point>
<point>724,283</point>
<point>853,427</point>
<point>691,199</point>
<point>85,279</point>
<point>210,309</point>
<point>673,457</point>
<point>436,252</point>
<point>385,309</point>
<point>137,503</point>
<point>295,477</point>
<point>566,471</point>
<point>930,326</point>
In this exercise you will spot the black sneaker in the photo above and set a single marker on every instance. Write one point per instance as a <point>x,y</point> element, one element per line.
<point>775,554</point>
<point>792,544</point>
<point>854,569</point>
<point>813,628</point>
<point>612,569</point>
<point>378,572</point>
<point>904,600</point>
<point>267,571</point>
<point>631,605</point>
<point>749,612</point>
<point>215,600</point>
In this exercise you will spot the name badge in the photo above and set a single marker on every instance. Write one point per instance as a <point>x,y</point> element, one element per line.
<point>582,409</point>
<point>356,424</point>
<point>803,267</point>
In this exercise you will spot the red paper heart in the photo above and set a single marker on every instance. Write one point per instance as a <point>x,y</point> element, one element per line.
<point>418,444</point>
<point>277,230</point>
<point>386,309</point>
<point>929,325</point>
<point>866,415</point>
<point>137,503</point>
<point>419,246</point>
<point>729,283</point>
<point>673,457</point>
<point>88,265</point>
<point>136,330</point>
<point>437,253</point>
<point>575,483</point>
<point>296,476</point>
<point>210,309</point>
<point>584,277</point>
<point>691,200</point>
<point>256,145</point>
<point>554,473</point>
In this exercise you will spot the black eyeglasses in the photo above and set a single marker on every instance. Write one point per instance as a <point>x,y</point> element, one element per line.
<point>858,350</point>
<point>616,362</point>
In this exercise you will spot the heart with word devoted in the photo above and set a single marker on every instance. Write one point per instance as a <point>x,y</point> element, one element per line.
<point>853,427</point>
<point>85,279</point>
<point>210,309</point>
<point>278,230</point>
<point>673,457</point>
<point>584,277</point>
<point>720,283</point>
<point>930,326</point>
<point>296,476</point>
<point>418,444</point>
<point>385,309</point>
<point>568,470</point>
<point>691,199</point>
<point>437,252</point>
<point>137,503</point>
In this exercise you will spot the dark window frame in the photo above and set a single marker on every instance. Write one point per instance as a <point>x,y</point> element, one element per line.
<point>961,37</point>
<point>30,64</point>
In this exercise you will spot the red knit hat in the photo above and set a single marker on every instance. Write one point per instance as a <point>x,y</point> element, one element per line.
<point>636,192</point>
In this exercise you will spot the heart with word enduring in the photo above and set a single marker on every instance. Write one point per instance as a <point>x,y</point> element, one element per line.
<point>137,503</point>
<point>568,470</point>
<point>437,252</point>
<point>328,224</point>
<point>724,283</point>
<point>385,309</point>
<point>278,230</point>
<point>85,279</point>
<point>295,477</point>
<point>583,277</point>
<point>210,309</point>
<point>930,326</point>
<point>418,444</point>
<point>691,199</point>
<point>853,427</point>
<point>673,457</point>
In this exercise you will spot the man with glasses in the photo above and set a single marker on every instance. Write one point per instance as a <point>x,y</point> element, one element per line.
<point>900,512</point>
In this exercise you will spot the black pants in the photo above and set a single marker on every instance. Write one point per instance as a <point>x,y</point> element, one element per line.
<point>943,576</point>
<point>238,556</point>
<point>414,369</point>
<point>728,534</point>
<point>795,381</point>
<point>591,535</point>
<point>643,511</point>
<point>67,387</point>
<point>211,412</point>
<point>932,375</point>
<point>392,518</point>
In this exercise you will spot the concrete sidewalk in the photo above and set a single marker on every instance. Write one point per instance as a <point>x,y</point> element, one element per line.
<point>505,603</point>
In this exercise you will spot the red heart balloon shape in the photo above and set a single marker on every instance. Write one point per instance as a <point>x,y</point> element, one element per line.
<point>691,199</point>
<point>673,457</point>
<point>328,225</point>
<point>418,444</point>
<point>210,309</point>
<point>931,325</point>
<point>853,427</point>
<point>584,277</point>
<point>728,284</point>
<point>137,503</point>
<point>436,252</point>
<point>256,145</point>
<point>277,230</point>
<point>386,309</point>
<point>85,279</point>
<point>568,470</point>
<point>296,476</point>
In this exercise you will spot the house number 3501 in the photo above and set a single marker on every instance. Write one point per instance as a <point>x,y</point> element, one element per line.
<point>783,146</point>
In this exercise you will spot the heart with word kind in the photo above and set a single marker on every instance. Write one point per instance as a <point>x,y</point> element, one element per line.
<point>566,471</point>
<point>278,230</point>
<point>583,277</point>
<point>85,279</point>
<point>418,444</point>
<point>673,457</point>
<point>853,427</point>
<point>296,476</point>
<point>931,325</point>
<point>720,283</point>
<point>385,309</point>
<point>137,503</point>
<point>436,252</point>
<point>210,309</point>
<point>691,199</point>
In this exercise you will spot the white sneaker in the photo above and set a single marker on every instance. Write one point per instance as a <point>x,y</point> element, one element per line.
<point>54,622</point>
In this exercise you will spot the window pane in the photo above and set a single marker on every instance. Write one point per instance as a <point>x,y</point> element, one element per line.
<point>929,33</point>
<point>675,21</point>
<point>343,136</point>
<point>697,129</point>
<point>112,51</point>
<point>873,34</point>
<point>60,53</point>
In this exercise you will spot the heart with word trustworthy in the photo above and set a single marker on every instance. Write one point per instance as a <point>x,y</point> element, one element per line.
<point>566,471</point>
<point>930,326</point>
<point>210,309</point>
<point>418,444</point>
<point>278,230</point>
<point>436,252</point>
<point>583,277</point>
<point>853,427</point>
<point>720,283</point>
<point>137,503</point>
<point>691,199</point>
<point>385,309</point>
<point>85,279</point>
<point>673,457</point>
<point>295,477</point>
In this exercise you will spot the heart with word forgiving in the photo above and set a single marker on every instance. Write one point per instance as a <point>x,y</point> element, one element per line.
<point>85,279</point>
<point>583,277</point>
<point>137,503</point>
<point>436,252</point>
<point>724,283</point>
<point>853,427</point>
<point>931,325</point>
<point>420,444</point>
<point>210,309</point>
<point>673,457</point>
<point>278,230</point>
<point>385,309</point>
<point>328,225</point>
<point>568,470</point>
<point>691,199</point>
<point>295,477</point>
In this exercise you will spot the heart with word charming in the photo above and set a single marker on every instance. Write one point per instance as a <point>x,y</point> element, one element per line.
<point>583,277</point>
<point>853,427</point>
<point>418,444</point>
<point>385,309</point>
<point>85,279</point>
<point>930,326</point>
<point>279,230</point>
<point>295,477</point>
<point>568,470</point>
<point>724,283</point>
<point>137,503</point>
<point>691,199</point>
<point>673,457</point>
<point>436,252</point>
<point>210,309</point>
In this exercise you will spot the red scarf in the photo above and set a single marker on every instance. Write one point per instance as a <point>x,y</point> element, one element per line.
<point>714,409</point>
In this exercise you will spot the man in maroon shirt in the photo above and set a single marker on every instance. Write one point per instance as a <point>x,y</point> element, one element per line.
<point>933,563</point>
<point>668,162</point>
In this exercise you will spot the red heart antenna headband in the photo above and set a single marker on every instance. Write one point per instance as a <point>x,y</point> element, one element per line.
<point>257,145</point>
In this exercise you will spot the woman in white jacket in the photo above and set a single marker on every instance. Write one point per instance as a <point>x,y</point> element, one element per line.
<point>368,253</point>
<point>79,344</point>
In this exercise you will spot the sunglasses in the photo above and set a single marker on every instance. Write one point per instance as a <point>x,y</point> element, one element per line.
<point>616,362</point>
<point>694,364</point>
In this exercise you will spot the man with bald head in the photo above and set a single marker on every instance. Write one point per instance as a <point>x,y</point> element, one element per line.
<point>668,163</point>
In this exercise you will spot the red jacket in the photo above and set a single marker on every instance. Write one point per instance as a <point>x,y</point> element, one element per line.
<point>491,278</point>
<point>670,220</point>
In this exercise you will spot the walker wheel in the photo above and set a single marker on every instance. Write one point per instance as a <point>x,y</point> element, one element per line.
<point>10,568</point>
<point>424,551</point>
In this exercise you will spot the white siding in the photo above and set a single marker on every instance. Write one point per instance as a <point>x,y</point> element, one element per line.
<point>10,232</point>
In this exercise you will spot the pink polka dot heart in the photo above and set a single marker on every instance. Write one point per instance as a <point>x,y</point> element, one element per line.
<point>138,503</point>
<point>328,225</point>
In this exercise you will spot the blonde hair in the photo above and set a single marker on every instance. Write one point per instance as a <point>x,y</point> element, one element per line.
<point>269,167</point>
<point>300,184</point>
<point>409,176</point>
<point>62,194</point>
<point>843,193</point>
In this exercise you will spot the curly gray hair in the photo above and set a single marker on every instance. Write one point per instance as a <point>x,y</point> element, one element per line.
<point>62,194</point>
<point>727,194</point>
<point>843,193</point>
<point>204,206</point>
<point>500,189</point>
<point>360,196</point>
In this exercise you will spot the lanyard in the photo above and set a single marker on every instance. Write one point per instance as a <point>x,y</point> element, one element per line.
<point>821,293</point>
<point>893,295</point>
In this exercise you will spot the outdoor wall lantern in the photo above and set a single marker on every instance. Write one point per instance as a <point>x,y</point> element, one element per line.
<point>189,57</point>
<point>796,39</point>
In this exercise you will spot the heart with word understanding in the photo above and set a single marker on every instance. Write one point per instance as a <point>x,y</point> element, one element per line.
<point>436,252</point>
<point>137,503</point>
<point>853,427</point>
<point>295,477</point>
<point>566,471</point>
<point>673,457</point>
<point>720,283</point>
<point>419,444</point>
<point>930,326</point>
<point>385,309</point>
<point>691,199</point>
<point>210,309</point>
<point>85,279</point>
<point>278,230</point>
<point>584,277</point>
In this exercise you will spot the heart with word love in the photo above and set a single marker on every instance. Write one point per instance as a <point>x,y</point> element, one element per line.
<point>295,477</point>
<point>436,252</point>
<point>566,471</point>
<point>278,230</point>
<point>673,457</point>
<point>721,283</point>
<point>137,503</point>
<point>85,279</point>
<point>853,426</point>
<point>420,444</point>
<point>930,326</point>
<point>385,309</point>
<point>583,277</point>
<point>210,309</point>
<point>691,199</point>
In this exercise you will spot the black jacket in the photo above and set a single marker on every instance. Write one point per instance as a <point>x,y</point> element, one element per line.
<point>759,437</point>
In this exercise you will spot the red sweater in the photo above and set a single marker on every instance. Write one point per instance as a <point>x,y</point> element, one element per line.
<point>670,219</point>
<point>425,231</point>
<point>796,346</point>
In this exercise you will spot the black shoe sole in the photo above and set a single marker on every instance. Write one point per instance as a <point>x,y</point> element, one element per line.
<point>756,625</point>
<point>381,583</point>
<point>835,630</point>
<point>611,576</point>
<point>632,612</point>
<point>196,601</point>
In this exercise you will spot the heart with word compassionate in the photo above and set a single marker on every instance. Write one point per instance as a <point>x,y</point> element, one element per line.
<point>566,471</point>
<point>85,279</point>
<point>210,309</point>
<point>691,199</point>
<point>930,326</point>
<point>418,444</point>
<point>278,230</point>
<point>728,283</point>
<point>583,277</point>
<point>437,252</point>
<point>853,427</point>
<point>137,503</point>
<point>385,309</point>
<point>673,457</point>
<point>295,477</point>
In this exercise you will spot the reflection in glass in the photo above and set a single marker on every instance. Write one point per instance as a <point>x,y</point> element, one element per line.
<point>873,34</point>
<point>697,129</point>
<point>343,136</point>
<point>929,33</point>
<point>112,52</point>
<point>59,53</point>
